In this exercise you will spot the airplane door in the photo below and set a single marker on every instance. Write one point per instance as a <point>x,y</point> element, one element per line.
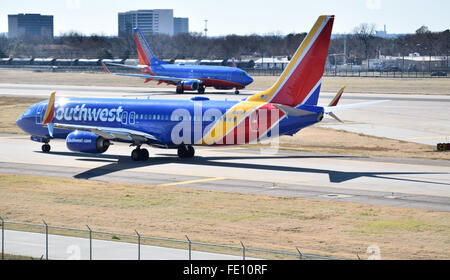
<point>229,76</point>
<point>254,121</point>
<point>40,114</point>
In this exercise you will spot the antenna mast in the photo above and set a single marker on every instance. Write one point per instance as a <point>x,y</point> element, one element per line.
<point>206,28</point>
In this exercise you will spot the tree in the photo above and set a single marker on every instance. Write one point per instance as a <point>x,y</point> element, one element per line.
<point>104,54</point>
<point>364,33</point>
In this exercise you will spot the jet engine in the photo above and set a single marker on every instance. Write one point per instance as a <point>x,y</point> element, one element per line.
<point>189,85</point>
<point>86,142</point>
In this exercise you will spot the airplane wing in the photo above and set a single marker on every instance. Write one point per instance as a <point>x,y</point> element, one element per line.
<point>137,67</point>
<point>166,79</point>
<point>111,133</point>
<point>329,110</point>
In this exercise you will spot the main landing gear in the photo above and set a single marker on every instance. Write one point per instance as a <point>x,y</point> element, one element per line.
<point>186,151</point>
<point>139,154</point>
<point>180,90</point>
<point>236,91</point>
<point>201,89</point>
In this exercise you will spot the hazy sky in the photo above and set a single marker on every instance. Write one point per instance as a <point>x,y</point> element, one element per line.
<point>238,16</point>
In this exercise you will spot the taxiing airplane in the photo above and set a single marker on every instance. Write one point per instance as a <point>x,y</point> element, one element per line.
<point>184,77</point>
<point>89,125</point>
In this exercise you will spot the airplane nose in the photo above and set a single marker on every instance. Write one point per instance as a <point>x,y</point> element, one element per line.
<point>249,80</point>
<point>20,122</point>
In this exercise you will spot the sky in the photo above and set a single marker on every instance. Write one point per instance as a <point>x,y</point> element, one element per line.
<point>240,17</point>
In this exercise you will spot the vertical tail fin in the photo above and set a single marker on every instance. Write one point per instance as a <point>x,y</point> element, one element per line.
<point>145,54</point>
<point>300,82</point>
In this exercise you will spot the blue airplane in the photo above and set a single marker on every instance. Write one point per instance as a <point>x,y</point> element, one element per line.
<point>89,125</point>
<point>184,77</point>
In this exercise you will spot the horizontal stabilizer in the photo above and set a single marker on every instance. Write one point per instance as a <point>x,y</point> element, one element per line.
<point>294,112</point>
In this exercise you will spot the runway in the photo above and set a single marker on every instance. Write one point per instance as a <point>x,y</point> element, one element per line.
<point>423,184</point>
<point>412,118</point>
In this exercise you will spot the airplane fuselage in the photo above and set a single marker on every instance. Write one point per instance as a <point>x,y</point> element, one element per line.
<point>220,77</point>
<point>197,122</point>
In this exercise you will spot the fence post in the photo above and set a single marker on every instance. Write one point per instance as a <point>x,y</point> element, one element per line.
<point>243,251</point>
<point>3,238</point>
<point>189,241</point>
<point>139,245</point>
<point>90,242</point>
<point>299,253</point>
<point>46,240</point>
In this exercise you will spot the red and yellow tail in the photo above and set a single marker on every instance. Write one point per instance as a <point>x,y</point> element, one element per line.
<point>145,54</point>
<point>301,80</point>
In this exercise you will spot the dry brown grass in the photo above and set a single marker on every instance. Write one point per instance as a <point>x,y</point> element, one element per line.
<point>330,84</point>
<point>318,227</point>
<point>325,140</point>
<point>10,110</point>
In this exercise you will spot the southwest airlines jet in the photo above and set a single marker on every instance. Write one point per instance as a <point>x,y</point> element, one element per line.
<point>89,125</point>
<point>184,77</point>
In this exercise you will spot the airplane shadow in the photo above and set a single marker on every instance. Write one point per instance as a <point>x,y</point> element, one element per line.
<point>122,163</point>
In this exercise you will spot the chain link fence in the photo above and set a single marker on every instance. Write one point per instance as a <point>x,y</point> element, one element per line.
<point>187,245</point>
<point>252,72</point>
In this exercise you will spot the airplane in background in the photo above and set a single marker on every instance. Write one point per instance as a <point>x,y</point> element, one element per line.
<point>89,125</point>
<point>184,77</point>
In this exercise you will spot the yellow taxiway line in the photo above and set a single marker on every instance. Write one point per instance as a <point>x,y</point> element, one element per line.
<point>192,181</point>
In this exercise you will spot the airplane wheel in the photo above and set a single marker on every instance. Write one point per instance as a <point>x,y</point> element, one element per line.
<point>46,148</point>
<point>144,155</point>
<point>180,90</point>
<point>191,152</point>
<point>236,92</point>
<point>136,155</point>
<point>201,90</point>
<point>186,151</point>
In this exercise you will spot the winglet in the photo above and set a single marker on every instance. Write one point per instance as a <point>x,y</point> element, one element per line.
<point>336,99</point>
<point>105,68</point>
<point>49,113</point>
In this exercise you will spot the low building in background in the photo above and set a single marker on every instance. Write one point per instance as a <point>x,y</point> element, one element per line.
<point>180,25</point>
<point>34,25</point>
<point>148,21</point>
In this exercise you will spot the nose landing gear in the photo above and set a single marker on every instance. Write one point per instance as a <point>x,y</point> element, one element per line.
<point>46,148</point>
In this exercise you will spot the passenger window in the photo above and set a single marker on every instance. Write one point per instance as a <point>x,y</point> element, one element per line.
<point>124,117</point>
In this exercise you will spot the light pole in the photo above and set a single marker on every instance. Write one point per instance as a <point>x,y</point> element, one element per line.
<point>206,28</point>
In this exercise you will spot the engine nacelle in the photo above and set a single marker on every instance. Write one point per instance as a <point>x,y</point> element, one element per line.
<point>86,142</point>
<point>190,85</point>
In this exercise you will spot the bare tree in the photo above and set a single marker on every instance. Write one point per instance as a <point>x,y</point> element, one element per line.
<point>365,34</point>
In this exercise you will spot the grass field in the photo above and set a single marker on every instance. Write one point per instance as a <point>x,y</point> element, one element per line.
<point>18,258</point>
<point>330,84</point>
<point>316,227</point>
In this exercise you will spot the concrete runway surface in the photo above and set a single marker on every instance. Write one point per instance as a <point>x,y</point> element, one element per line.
<point>413,118</point>
<point>75,248</point>
<point>423,184</point>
